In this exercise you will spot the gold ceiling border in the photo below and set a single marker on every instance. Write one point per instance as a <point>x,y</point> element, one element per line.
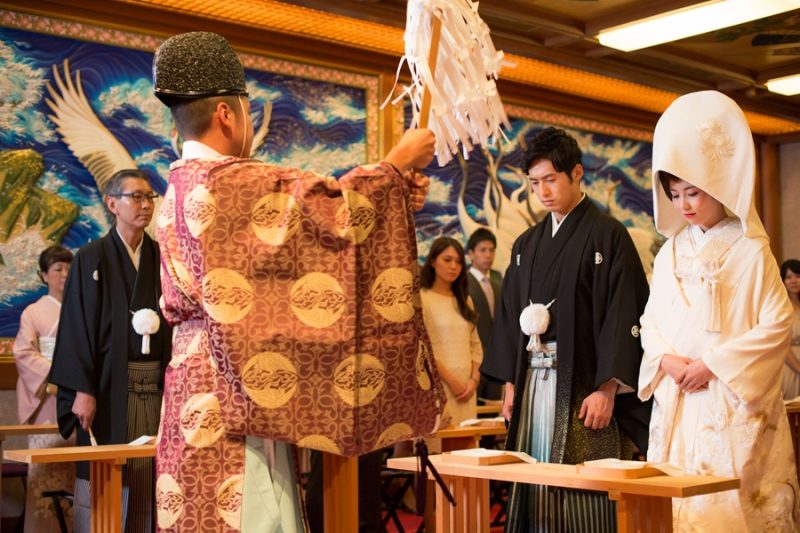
<point>319,25</point>
<point>78,30</point>
<point>515,111</point>
<point>148,43</point>
<point>578,123</point>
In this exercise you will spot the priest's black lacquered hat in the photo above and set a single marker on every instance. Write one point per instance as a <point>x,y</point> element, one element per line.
<point>196,65</point>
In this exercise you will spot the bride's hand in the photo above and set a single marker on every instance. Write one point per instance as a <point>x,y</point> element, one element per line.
<point>674,365</point>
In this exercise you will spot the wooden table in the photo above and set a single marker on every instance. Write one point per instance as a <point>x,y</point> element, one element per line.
<point>340,493</point>
<point>17,430</point>
<point>643,505</point>
<point>105,470</point>
<point>458,438</point>
<point>340,475</point>
<point>490,409</point>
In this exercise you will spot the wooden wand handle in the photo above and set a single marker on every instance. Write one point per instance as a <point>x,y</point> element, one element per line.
<point>433,56</point>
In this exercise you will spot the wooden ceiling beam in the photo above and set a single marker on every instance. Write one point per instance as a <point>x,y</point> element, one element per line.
<point>625,16</point>
<point>755,99</point>
<point>778,72</point>
<point>512,43</point>
<point>665,53</point>
<point>557,41</point>
<point>601,51</point>
<point>526,15</point>
<point>728,86</point>
<point>783,139</point>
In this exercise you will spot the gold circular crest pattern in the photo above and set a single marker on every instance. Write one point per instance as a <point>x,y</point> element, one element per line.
<point>227,295</point>
<point>423,379</point>
<point>394,433</point>
<point>229,500</point>
<point>317,299</point>
<point>199,210</point>
<point>197,345</point>
<point>166,211</point>
<point>371,378</point>
<point>169,501</point>
<point>270,379</point>
<point>393,295</point>
<point>355,218</point>
<point>201,420</point>
<point>275,218</point>
<point>319,442</point>
<point>183,279</point>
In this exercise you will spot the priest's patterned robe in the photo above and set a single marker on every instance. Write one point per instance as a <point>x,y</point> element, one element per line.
<point>295,299</point>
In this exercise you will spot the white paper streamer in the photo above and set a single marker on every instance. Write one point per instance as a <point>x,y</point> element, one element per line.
<point>465,106</point>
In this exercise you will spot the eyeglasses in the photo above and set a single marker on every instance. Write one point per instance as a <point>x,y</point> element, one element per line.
<point>138,196</point>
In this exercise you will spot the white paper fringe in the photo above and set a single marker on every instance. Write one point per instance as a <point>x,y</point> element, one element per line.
<point>465,105</point>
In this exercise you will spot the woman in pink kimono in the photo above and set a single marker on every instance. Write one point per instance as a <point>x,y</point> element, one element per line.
<point>36,399</point>
<point>716,328</point>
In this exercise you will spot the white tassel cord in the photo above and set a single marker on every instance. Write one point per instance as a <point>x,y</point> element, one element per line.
<point>145,323</point>
<point>714,311</point>
<point>534,320</point>
<point>465,107</point>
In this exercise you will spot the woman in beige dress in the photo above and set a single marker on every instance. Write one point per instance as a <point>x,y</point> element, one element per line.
<point>451,323</point>
<point>36,399</point>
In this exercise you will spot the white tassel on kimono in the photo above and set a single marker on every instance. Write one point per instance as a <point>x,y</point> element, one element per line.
<point>714,312</point>
<point>534,320</point>
<point>465,105</point>
<point>145,323</point>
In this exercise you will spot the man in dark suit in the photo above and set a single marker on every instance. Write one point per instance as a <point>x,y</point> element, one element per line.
<point>485,286</point>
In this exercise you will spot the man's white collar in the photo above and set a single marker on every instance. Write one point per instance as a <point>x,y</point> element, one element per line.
<point>556,223</point>
<point>198,150</point>
<point>478,274</point>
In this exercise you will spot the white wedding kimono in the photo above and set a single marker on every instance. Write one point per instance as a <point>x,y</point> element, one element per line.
<point>718,296</point>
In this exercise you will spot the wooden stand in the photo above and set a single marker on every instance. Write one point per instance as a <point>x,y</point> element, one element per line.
<point>105,471</point>
<point>340,479</point>
<point>340,493</point>
<point>642,513</point>
<point>493,408</point>
<point>643,505</point>
<point>16,430</point>
<point>458,438</point>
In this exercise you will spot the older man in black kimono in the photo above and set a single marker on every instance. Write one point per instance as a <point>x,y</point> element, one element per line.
<point>109,382</point>
<point>568,384</point>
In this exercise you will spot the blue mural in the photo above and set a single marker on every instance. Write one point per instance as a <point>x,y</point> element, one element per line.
<point>73,111</point>
<point>490,189</point>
